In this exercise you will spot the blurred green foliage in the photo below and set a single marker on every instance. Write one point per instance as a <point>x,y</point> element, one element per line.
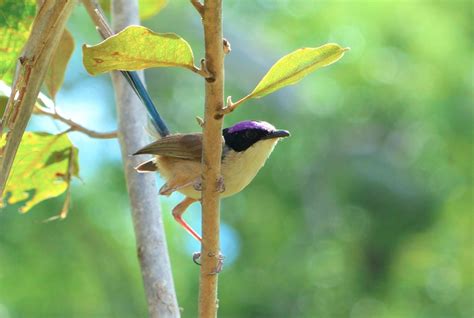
<point>366,211</point>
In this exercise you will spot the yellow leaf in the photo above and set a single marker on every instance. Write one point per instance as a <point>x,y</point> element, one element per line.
<point>43,167</point>
<point>136,48</point>
<point>55,75</point>
<point>291,68</point>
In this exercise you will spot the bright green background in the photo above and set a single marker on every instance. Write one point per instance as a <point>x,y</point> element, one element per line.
<point>366,211</point>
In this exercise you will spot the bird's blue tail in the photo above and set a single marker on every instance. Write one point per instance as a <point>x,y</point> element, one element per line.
<point>137,85</point>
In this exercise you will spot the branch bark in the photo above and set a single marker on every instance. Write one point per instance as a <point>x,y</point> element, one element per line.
<point>211,164</point>
<point>45,34</point>
<point>146,213</point>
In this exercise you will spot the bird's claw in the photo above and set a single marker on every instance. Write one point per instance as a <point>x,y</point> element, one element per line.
<point>220,184</point>
<point>219,266</point>
<point>196,257</point>
<point>197,185</point>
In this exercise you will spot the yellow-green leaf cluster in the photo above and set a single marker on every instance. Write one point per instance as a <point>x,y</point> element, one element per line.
<point>137,48</point>
<point>42,169</point>
<point>149,8</point>
<point>16,18</point>
<point>146,8</point>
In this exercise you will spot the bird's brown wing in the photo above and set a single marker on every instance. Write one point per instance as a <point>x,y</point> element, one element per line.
<point>184,146</point>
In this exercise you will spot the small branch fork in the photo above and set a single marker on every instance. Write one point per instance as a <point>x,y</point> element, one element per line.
<point>199,7</point>
<point>203,71</point>
<point>73,125</point>
<point>231,106</point>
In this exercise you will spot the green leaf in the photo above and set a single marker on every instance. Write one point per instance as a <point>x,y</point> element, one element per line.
<point>146,8</point>
<point>136,48</point>
<point>57,68</point>
<point>149,8</point>
<point>291,68</point>
<point>16,18</point>
<point>42,169</point>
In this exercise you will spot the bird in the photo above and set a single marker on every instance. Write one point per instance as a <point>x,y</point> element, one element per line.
<point>246,147</point>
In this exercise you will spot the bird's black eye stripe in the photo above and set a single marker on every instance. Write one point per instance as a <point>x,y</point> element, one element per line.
<point>242,140</point>
<point>250,134</point>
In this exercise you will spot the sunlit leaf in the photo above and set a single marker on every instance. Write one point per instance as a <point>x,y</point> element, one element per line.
<point>149,8</point>
<point>55,75</point>
<point>291,68</point>
<point>136,48</point>
<point>146,8</point>
<point>42,169</point>
<point>15,21</point>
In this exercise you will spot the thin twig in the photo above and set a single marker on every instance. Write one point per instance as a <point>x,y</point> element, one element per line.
<point>95,12</point>
<point>199,7</point>
<point>211,162</point>
<point>74,126</point>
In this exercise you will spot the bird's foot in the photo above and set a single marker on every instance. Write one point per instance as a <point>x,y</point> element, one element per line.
<point>167,190</point>
<point>220,184</point>
<point>197,185</point>
<point>220,262</point>
<point>196,257</point>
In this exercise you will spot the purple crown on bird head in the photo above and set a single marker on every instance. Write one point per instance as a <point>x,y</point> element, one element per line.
<point>251,124</point>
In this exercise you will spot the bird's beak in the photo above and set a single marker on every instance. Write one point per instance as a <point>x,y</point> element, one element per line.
<point>277,134</point>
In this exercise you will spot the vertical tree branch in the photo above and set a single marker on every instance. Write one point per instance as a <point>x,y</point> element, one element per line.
<point>151,241</point>
<point>46,32</point>
<point>211,164</point>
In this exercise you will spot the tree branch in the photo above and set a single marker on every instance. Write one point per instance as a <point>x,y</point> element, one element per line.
<point>46,32</point>
<point>199,7</point>
<point>211,162</point>
<point>146,213</point>
<point>74,126</point>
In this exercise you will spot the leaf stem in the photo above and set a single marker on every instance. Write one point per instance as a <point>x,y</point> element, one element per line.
<point>203,71</point>
<point>231,106</point>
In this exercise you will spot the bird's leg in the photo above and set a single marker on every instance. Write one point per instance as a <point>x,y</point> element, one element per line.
<point>168,189</point>
<point>197,185</point>
<point>178,212</point>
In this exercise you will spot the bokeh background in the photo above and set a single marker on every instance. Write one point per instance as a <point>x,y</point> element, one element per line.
<point>366,211</point>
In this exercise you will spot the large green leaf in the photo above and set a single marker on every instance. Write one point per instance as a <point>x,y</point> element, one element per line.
<point>136,48</point>
<point>55,75</point>
<point>291,68</point>
<point>42,169</point>
<point>15,20</point>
